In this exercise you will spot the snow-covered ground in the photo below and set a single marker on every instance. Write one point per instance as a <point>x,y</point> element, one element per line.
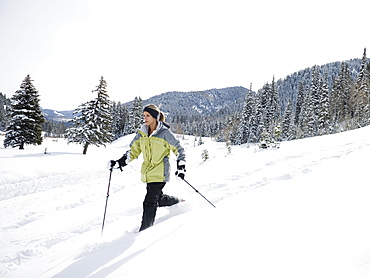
<point>300,211</point>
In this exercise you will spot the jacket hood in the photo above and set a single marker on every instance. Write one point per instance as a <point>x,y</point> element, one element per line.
<point>161,126</point>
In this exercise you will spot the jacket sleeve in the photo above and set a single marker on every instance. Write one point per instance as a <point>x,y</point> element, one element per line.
<point>135,148</point>
<point>175,146</point>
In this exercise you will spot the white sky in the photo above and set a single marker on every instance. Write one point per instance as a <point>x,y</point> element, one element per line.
<point>148,47</point>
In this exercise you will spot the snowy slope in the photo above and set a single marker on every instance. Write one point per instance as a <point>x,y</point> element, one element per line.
<point>300,211</point>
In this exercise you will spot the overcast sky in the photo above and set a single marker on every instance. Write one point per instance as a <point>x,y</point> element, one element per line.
<point>148,47</point>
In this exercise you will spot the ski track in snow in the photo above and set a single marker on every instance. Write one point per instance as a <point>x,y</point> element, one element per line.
<point>58,199</point>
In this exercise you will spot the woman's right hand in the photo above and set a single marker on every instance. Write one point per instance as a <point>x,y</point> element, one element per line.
<point>122,162</point>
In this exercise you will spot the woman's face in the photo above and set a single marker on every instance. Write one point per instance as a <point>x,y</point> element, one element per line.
<point>148,119</point>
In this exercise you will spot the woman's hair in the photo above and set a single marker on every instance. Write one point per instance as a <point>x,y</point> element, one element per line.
<point>162,118</point>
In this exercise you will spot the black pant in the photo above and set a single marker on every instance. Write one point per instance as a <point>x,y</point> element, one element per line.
<point>155,198</point>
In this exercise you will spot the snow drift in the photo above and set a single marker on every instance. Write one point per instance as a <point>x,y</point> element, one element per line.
<point>299,211</point>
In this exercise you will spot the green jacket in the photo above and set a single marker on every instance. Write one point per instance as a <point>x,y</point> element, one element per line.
<point>156,151</point>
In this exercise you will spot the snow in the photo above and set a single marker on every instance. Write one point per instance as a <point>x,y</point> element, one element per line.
<point>298,211</point>
<point>58,113</point>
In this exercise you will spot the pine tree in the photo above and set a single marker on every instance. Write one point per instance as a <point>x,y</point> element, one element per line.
<point>340,106</point>
<point>243,131</point>
<point>254,126</point>
<point>270,106</point>
<point>120,120</point>
<point>200,141</point>
<point>136,115</point>
<point>288,123</point>
<point>299,103</point>
<point>92,122</point>
<point>347,88</point>
<point>102,113</point>
<point>275,104</point>
<point>324,110</point>
<point>266,106</point>
<point>81,131</point>
<point>277,136</point>
<point>265,140</point>
<point>308,120</point>
<point>25,117</point>
<point>362,94</point>
<point>314,108</point>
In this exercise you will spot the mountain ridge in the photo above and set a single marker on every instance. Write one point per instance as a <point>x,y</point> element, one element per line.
<point>176,103</point>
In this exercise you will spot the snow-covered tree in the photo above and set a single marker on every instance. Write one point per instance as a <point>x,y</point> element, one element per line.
<point>269,105</point>
<point>254,121</point>
<point>120,119</point>
<point>92,124</point>
<point>266,140</point>
<point>324,109</point>
<point>25,117</point>
<point>299,103</point>
<point>340,105</point>
<point>287,132</point>
<point>136,115</point>
<point>243,130</point>
<point>362,94</point>
<point>103,116</point>
<point>82,131</point>
<point>308,119</point>
<point>315,108</point>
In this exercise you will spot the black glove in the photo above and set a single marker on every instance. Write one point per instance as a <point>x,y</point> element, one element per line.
<point>111,164</point>
<point>180,169</point>
<point>122,162</point>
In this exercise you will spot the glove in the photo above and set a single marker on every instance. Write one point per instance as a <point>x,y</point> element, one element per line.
<point>122,162</point>
<point>111,164</point>
<point>180,169</point>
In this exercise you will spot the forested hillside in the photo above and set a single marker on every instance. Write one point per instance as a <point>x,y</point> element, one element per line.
<point>202,113</point>
<point>316,101</point>
<point>207,103</point>
<point>289,86</point>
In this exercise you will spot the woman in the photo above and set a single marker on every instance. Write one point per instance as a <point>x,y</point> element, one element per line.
<point>155,141</point>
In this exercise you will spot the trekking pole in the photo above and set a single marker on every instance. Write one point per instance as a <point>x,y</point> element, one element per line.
<point>198,192</point>
<point>112,163</point>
